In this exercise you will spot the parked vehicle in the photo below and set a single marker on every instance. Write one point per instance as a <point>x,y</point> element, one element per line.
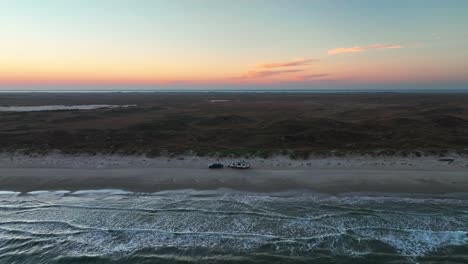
<point>216,166</point>
<point>239,165</point>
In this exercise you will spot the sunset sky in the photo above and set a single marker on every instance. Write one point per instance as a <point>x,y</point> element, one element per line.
<point>233,43</point>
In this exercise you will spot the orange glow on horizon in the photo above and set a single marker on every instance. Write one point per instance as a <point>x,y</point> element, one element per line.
<point>309,70</point>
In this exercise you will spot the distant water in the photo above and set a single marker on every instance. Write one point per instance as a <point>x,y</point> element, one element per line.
<point>229,227</point>
<point>37,108</point>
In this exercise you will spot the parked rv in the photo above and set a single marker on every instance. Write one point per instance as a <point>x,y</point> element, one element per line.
<point>239,165</point>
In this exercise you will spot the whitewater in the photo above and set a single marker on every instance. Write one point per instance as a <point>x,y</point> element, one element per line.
<point>227,226</point>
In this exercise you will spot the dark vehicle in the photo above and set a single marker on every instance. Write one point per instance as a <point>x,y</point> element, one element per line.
<point>215,166</point>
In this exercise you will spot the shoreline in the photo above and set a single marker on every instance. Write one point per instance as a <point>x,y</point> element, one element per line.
<point>358,174</point>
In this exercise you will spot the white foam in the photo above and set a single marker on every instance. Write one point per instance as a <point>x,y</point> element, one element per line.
<point>419,242</point>
<point>242,221</point>
<point>9,193</point>
<point>48,193</point>
<point>102,192</point>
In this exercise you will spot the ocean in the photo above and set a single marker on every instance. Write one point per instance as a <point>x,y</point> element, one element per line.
<point>227,226</point>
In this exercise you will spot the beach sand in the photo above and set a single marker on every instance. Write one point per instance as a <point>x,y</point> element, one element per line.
<point>426,175</point>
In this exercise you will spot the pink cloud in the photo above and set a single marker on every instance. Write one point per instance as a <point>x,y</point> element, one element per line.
<point>263,74</point>
<point>301,62</point>
<point>345,50</point>
<point>363,48</point>
<point>266,70</point>
<point>310,76</point>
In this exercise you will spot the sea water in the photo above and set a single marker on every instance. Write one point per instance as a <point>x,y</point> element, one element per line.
<point>225,226</point>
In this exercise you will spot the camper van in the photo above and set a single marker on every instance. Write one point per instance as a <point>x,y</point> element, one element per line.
<point>239,165</point>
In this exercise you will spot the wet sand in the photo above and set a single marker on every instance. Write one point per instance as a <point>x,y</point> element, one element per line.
<point>330,181</point>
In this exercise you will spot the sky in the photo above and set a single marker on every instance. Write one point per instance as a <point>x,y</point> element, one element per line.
<point>235,44</point>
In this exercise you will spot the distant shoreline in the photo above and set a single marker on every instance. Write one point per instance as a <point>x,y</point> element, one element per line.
<point>237,91</point>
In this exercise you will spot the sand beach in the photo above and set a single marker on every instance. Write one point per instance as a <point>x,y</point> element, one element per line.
<point>332,175</point>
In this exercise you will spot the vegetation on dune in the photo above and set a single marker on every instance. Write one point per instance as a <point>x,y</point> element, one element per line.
<point>248,125</point>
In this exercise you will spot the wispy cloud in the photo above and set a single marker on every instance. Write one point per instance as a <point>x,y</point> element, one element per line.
<point>294,63</point>
<point>266,73</point>
<point>266,70</point>
<point>385,46</point>
<point>363,48</point>
<point>309,77</point>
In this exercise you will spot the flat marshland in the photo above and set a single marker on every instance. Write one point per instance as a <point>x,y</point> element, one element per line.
<point>259,124</point>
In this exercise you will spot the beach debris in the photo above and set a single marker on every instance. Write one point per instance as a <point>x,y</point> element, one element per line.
<point>447,160</point>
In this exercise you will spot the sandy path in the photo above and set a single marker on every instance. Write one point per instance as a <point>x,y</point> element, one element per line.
<point>332,181</point>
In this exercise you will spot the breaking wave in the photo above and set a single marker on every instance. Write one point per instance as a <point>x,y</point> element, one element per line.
<point>228,226</point>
